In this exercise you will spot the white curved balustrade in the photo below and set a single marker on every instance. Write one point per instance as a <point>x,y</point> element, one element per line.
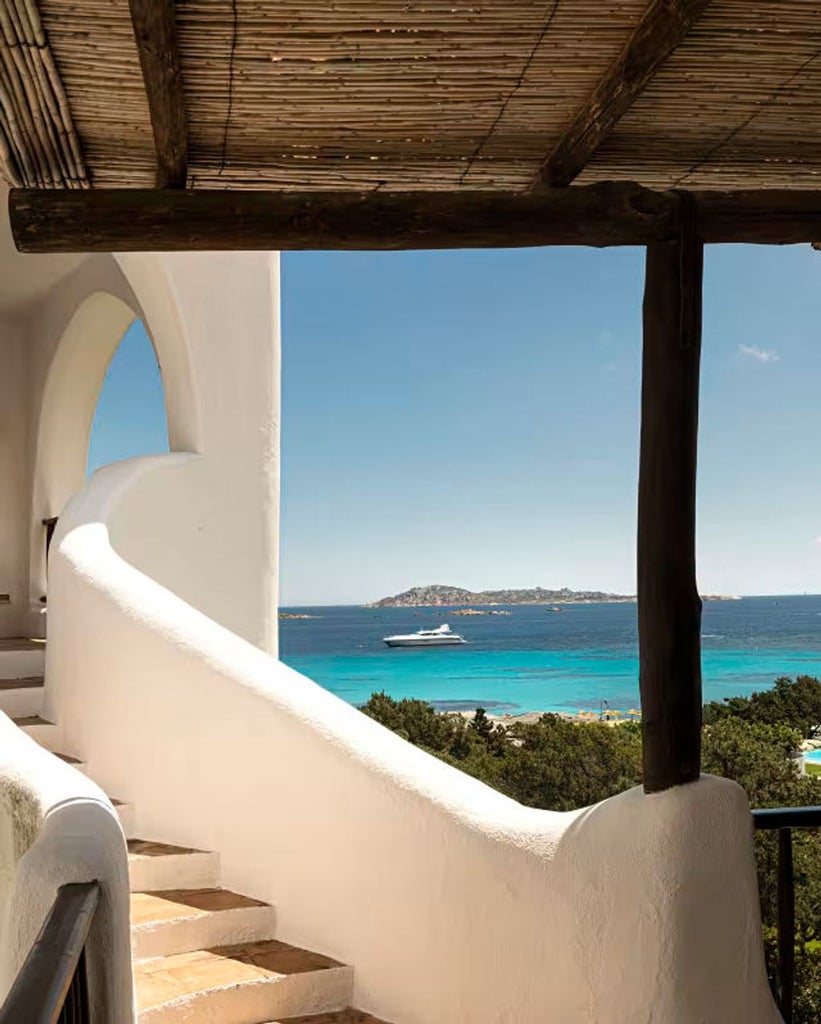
<point>455,904</point>
<point>56,827</point>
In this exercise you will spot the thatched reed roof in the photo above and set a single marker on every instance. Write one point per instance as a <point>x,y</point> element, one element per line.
<point>432,94</point>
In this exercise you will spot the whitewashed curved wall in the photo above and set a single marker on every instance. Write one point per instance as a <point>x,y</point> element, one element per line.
<point>56,827</point>
<point>69,335</point>
<point>213,321</point>
<point>13,475</point>
<point>70,392</point>
<point>455,904</point>
<point>212,537</point>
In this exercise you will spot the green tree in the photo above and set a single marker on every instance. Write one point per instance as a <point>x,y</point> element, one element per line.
<point>558,765</point>
<point>561,765</point>
<point>796,703</point>
<point>760,758</point>
<point>413,720</point>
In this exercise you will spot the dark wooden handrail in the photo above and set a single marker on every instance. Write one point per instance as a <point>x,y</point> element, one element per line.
<point>51,986</point>
<point>784,820</point>
<point>767,818</point>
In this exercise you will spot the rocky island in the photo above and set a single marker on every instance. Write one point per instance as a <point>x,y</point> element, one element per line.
<point>438,596</point>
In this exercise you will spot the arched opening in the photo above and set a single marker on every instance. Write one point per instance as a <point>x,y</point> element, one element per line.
<point>130,417</point>
<point>82,370</point>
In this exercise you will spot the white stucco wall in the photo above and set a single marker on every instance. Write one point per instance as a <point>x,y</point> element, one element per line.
<point>454,903</point>
<point>213,321</point>
<point>212,538</point>
<point>56,827</point>
<point>67,402</point>
<point>13,462</point>
<point>70,331</point>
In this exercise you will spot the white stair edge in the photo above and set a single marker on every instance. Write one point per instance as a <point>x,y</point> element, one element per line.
<point>194,869</point>
<point>19,664</point>
<point>269,999</point>
<point>186,934</point>
<point>22,702</point>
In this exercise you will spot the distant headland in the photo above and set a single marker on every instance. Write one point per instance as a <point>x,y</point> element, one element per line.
<point>439,596</point>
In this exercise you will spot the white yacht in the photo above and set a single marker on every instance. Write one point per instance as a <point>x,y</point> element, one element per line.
<point>441,637</point>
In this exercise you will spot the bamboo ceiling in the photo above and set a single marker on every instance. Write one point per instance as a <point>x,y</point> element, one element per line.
<point>421,94</point>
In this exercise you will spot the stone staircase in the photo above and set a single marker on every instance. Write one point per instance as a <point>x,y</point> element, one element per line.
<point>201,954</point>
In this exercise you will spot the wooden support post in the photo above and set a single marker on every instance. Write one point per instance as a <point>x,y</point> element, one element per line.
<point>669,608</point>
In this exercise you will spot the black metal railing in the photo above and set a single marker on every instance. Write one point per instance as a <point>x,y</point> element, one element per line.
<point>52,985</point>
<point>784,820</point>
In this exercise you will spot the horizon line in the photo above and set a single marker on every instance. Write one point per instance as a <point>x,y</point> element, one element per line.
<point>364,604</point>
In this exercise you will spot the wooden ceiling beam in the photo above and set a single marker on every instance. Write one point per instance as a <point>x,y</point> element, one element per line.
<point>156,36</point>
<point>662,27</point>
<point>610,213</point>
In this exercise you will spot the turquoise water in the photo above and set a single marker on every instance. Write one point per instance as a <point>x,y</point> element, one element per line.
<point>813,756</point>
<point>535,660</point>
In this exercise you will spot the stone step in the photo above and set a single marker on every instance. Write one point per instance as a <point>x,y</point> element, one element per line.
<point>153,866</point>
<point>21,697</point>
<point>245,984</point>
<point>183,920</point>
<point>47,734</point>
<point>21,657</point>
<point>75,762</point>
<point>341,1017</point>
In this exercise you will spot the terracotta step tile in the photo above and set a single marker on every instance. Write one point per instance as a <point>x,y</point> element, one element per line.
<point>182,976</point>
<point>68,758</point>
<point>30,720</point>
<point>161,867</point>
<point>174,921</point>
<point>340,1017</point>
<point>13,644</point>
<point>26,683</point>
<point>176,903</point>
<point>149,848</point>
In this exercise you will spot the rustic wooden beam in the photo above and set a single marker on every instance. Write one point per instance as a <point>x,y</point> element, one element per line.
<point>768,216</point>
<point>127,220</point>
<point>662,27</point>
<point>609,213</point>
<point>156,36</point>
<point>669,608</point>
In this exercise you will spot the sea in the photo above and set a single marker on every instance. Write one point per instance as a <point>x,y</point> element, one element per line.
<point>537,659</point>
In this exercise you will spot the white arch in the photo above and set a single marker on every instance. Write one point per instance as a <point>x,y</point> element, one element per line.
<point>67,409</point>
<point>154,298</point>
<point>213,322</point>
<point>74,380</point>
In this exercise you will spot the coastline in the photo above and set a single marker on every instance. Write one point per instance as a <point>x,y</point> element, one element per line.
<point>533,661</point>
<point>455,608</point>
<point>436,595</point>
<point>611,717</point>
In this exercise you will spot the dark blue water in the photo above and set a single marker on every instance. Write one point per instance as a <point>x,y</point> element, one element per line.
<point>538,660</point>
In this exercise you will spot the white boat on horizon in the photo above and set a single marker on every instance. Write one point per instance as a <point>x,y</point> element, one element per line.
<point>441,637</point>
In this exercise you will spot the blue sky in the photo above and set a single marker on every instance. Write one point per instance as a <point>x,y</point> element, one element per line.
<point>472,418</point>
<point>130,415</point>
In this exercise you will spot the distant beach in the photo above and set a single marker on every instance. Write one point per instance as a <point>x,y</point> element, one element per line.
<point>532,661</point>
<point>530,717</point>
